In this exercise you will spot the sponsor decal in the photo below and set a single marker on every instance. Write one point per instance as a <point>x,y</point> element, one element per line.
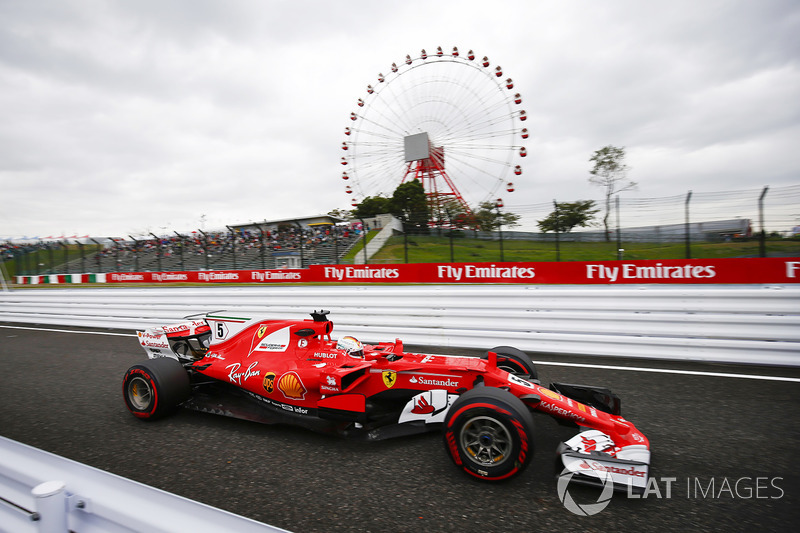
<point>153,344</point>
<point>366,272</point>
<point>657,271</point>
<point>292,386</point>
<point>302,343</point>
<point>256,275</point>
<point>236,377</point>
<point>484,272</point>
<point>519,381</point>
<point>170,276</point>
<point>560,411</point>
<point>127,277</point>
<point>430,406</point>
<point>269,382</point>
<point>597,467</point>
<point>277,341</point>
<point>549,393</point>
<point>422,407</point>
<point>389,378</point>
<point>325,355</point>
<point>330,385</point>
<point>279,405</point>
<point>217,276</point>
<point>421,380</point>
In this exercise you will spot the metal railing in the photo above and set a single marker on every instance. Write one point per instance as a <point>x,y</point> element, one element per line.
<point>720,323</point>
<point>44,493</point>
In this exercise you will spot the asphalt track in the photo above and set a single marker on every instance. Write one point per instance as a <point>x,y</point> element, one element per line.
<point>725,446</point>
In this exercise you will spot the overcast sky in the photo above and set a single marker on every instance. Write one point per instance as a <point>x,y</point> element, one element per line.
<point>128,117</point>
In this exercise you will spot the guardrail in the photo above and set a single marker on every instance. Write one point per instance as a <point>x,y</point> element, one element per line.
<point>44,493</point>
<point>719,323</point>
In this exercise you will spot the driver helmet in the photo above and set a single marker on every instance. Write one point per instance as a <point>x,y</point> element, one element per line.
<point>351,346</point>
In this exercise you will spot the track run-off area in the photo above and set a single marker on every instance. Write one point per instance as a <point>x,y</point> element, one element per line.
<point>724,440</point>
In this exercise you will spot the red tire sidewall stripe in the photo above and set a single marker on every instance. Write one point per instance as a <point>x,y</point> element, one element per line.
<point>149,378</point>
<point>454,453</point>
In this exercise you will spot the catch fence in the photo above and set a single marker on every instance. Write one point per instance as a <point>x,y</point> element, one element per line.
<point>761,222</point>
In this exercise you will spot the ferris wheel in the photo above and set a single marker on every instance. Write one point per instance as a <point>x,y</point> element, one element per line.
<point>450,120</point>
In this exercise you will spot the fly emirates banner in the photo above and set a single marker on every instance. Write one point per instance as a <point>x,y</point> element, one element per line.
<point>674,271</point>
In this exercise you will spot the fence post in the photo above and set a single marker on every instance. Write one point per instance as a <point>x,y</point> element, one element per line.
<point>558,229</point>
<point>51,506</point>
<point>762,241</point>
<point>180,237</point>
<point>205,246</point>
<point>364,235</point>
<point>135,254</point>
<point>233,245</point>
<point>619,237</point>
<point>158,252</point>
<point>52,269</point>
<point>83,257</point>
<point>686,226</point>
<point>64,245</point>
<point>498,205</point>
<point>97,255</point>
<point>261,248</point>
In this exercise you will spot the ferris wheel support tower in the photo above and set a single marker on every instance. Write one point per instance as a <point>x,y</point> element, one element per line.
<point>426,164</point>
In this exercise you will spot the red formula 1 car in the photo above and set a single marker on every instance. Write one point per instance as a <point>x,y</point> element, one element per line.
<point>292,371</point>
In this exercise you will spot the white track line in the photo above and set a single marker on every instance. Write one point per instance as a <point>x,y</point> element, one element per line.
<point>71,331</point>
<point>545,363</point>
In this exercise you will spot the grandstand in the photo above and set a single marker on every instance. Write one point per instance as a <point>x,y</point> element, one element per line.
<point>290,243</point>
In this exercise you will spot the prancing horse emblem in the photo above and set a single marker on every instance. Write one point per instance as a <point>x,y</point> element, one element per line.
<point>389,378</point>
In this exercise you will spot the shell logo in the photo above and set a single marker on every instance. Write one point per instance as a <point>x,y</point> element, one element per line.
<point>291,386</point>
<point>549,393</point>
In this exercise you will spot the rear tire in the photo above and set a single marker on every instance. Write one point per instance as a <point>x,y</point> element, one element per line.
<point>488,433</point>
<point>155,388</point>
<point>514,361</point>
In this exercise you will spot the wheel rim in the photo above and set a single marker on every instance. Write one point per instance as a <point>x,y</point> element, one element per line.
<point>486,441</point>
<point>140,393</point>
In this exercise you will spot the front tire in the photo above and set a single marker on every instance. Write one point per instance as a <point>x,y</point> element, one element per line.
<point>514,361</point>
<point>488,433</point>
<point>155,388</point>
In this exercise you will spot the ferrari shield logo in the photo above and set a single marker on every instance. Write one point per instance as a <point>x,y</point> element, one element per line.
<point>261,331</point>
<point>389,378</point>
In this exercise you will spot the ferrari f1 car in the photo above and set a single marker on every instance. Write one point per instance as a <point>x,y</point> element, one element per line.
<point>292,371</point>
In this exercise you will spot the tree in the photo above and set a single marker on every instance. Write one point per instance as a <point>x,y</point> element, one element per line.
<point>610,172</point>
<point>489,218</point>
<point>410,204</point>
<point>344,214</point>
<point>371,206</point>
<point>568,215</point>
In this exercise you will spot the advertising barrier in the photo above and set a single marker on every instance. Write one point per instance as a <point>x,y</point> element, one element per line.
<point>668,271</point>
